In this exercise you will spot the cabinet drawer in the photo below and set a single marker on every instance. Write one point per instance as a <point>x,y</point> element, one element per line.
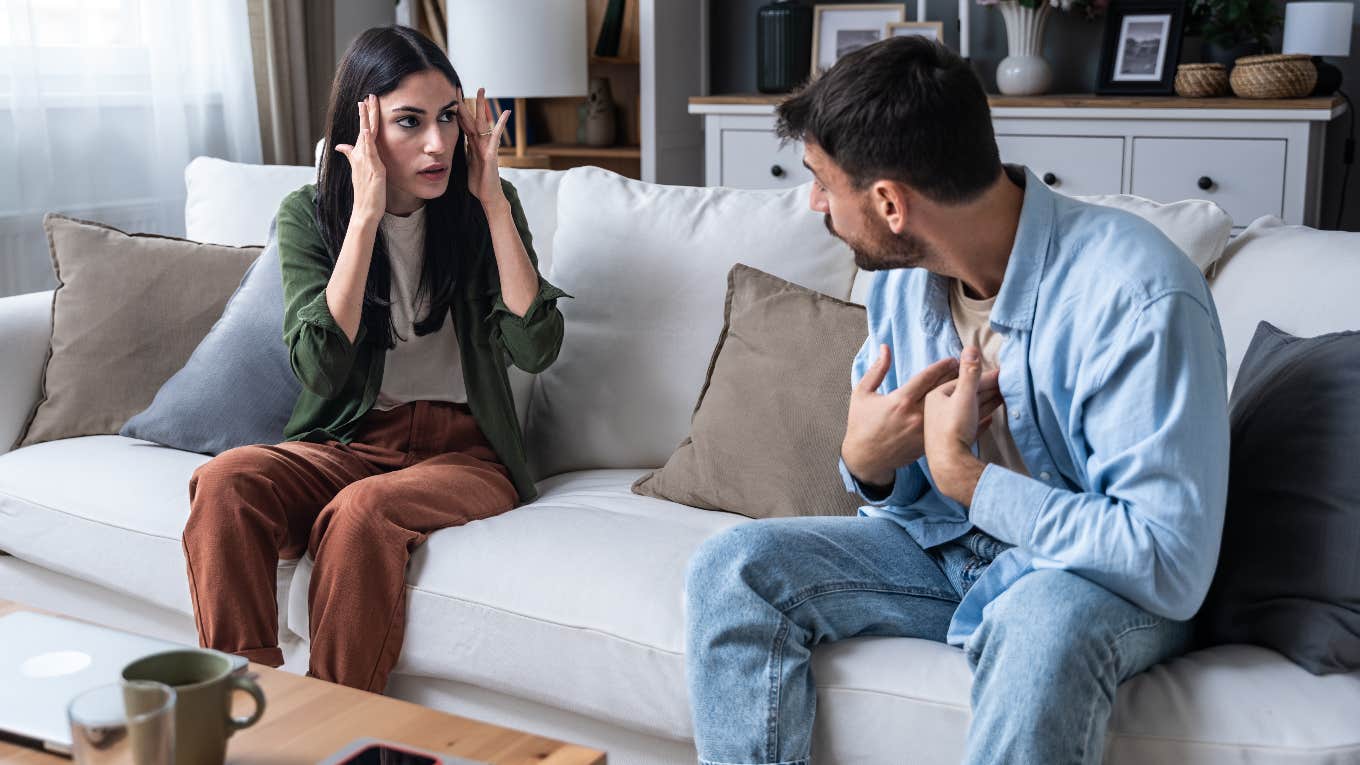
<point>1244,176</point>
<point>1071,165</point>
<point>753,159</point>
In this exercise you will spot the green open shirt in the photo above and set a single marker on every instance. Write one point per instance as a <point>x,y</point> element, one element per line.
<point>340,380</point>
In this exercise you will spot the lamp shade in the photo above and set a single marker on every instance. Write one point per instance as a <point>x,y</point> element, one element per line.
<point>1318,28</point>
<point>519,48</point>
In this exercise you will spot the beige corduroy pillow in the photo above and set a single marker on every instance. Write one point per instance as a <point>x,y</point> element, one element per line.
<point>127,312</point>
<point>765,436</point>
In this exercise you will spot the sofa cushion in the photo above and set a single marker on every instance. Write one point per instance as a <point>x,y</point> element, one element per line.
<point>234,202</point>
<point>879,697</point>
<point>1288,577</point>
<point>1199,227</point>
<point>238,387</point>
<point>765,450</point>
<point>648,266</point>
<point>104,509</point>
<point>575,601</point>
<point>1299,279</point>
<point>127,312</point>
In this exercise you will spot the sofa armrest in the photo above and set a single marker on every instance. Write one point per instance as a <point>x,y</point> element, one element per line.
<point>25,335</point>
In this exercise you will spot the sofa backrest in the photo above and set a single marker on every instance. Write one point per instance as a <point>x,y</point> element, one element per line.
<point>1302,280</point>
<point>647,262</point>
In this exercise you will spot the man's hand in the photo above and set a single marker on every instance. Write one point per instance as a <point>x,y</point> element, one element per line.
<point>885,431</point>
<point>955,412</point>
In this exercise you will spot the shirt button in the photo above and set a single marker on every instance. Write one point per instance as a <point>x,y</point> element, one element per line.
<point>1015,415</point>
<point>1044,476</point>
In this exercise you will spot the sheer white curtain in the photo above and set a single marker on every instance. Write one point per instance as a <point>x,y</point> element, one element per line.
<point>102,104</point>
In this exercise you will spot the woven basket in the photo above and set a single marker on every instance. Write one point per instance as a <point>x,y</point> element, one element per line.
<point>1274,76</point>
<point>1201,80</point>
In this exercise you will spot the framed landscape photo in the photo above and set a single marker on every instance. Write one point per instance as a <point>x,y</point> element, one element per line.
<point>931,30</point>
<point>1142,47</point>
<point>840,29</point>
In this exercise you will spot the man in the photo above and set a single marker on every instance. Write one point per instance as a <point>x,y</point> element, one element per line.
<point>1038,424</point>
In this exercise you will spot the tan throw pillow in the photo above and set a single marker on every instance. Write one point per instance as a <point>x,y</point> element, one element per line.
<point>765,436</point>
<point>127,312</point>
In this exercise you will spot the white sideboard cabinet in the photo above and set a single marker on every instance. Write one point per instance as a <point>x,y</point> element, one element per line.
<point>1253,158</point>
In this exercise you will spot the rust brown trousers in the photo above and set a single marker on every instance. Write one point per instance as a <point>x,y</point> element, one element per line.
<point>359,509</point>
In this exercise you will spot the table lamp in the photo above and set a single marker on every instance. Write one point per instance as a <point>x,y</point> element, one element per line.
<point>1319,29</point>
<point>519,49</point>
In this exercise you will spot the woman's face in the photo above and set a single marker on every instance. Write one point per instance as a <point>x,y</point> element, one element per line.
<point>416,139</point>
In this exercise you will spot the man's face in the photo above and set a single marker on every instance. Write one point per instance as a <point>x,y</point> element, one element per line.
<point>853,216</point>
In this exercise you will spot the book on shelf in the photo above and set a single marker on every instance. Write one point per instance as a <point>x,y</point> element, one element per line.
<point>611,28</point>
<point>499,105</point>
<point>628,35</point>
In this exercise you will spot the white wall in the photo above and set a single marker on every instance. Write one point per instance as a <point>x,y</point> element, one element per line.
<point>354,16</point>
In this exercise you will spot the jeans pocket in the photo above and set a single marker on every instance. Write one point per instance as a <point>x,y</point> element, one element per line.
<point>972,571</point>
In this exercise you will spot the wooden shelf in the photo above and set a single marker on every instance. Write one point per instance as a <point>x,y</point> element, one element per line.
<point>1082,100</point>
<point>1086,100</point>
<point>738,99</point>
<point>579,150</point>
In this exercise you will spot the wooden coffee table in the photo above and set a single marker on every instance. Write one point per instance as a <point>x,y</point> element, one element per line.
<point>307,720</point>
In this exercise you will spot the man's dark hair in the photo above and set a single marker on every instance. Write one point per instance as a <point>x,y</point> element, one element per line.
<point>906,109</point>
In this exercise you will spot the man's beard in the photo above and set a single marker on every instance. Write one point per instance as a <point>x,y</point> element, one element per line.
<point>884,249</point>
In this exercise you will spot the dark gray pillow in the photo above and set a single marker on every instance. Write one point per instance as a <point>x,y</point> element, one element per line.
<point>1289,571</point>
<point>238,387</point>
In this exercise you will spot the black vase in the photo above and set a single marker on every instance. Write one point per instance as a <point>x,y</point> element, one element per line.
<point>1218,53</point>
<point>783,46</point>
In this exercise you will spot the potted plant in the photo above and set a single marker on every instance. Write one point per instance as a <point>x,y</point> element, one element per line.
<point>1233,28</point>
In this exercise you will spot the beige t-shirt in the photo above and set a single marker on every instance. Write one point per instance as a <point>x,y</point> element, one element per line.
<point>426,368</point>
<point>972,319</point>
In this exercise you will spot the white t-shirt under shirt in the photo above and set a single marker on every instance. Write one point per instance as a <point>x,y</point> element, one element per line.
<point>425,368</point>
<point>972,319</point>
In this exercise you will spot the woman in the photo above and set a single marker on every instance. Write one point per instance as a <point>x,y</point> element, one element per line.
<point>409,284</point>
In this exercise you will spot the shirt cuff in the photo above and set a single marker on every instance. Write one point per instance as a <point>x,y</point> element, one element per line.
<point>318,314</point>
<point>854,486</point>
<point>1006,504</point>
<point>546,293</point>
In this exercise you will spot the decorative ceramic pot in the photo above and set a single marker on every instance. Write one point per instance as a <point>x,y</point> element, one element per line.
<point>601,122</point>
<point>1024,72</point>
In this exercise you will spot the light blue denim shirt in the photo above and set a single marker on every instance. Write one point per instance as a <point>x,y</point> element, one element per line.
<point>1114,377</point>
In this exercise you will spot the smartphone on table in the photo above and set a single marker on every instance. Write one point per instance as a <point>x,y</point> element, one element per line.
<point>372,751</point>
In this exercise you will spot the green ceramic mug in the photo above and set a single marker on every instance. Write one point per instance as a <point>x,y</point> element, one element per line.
<point>204,684</point>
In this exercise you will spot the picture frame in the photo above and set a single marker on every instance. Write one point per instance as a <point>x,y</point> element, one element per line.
<point>1141,47</point>
<point>840,29</point>
<point>931,30</point>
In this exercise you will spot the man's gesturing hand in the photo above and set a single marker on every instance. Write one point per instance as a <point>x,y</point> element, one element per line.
<point>955,413</point>
<point>886,431</point>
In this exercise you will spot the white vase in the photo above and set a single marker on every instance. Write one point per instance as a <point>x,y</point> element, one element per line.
<point>1024,72</point>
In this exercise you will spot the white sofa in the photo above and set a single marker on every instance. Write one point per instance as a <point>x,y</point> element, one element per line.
<point>565,617</point>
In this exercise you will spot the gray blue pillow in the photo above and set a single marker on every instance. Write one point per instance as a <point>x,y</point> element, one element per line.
<point>237,387</point>
<point>1289,571</point>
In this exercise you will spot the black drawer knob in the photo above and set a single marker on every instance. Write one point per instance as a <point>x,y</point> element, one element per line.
<point>1050,179</point>
<point>1205,183</point>
<point>777,171</point>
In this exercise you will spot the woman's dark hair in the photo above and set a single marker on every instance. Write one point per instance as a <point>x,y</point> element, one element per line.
<point>376,63</point>
<point>906,109</point>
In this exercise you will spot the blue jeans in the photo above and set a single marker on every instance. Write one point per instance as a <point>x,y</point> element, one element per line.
<point>1046,660</point>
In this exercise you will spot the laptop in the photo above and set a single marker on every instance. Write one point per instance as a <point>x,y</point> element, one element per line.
<point>45,661</point>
